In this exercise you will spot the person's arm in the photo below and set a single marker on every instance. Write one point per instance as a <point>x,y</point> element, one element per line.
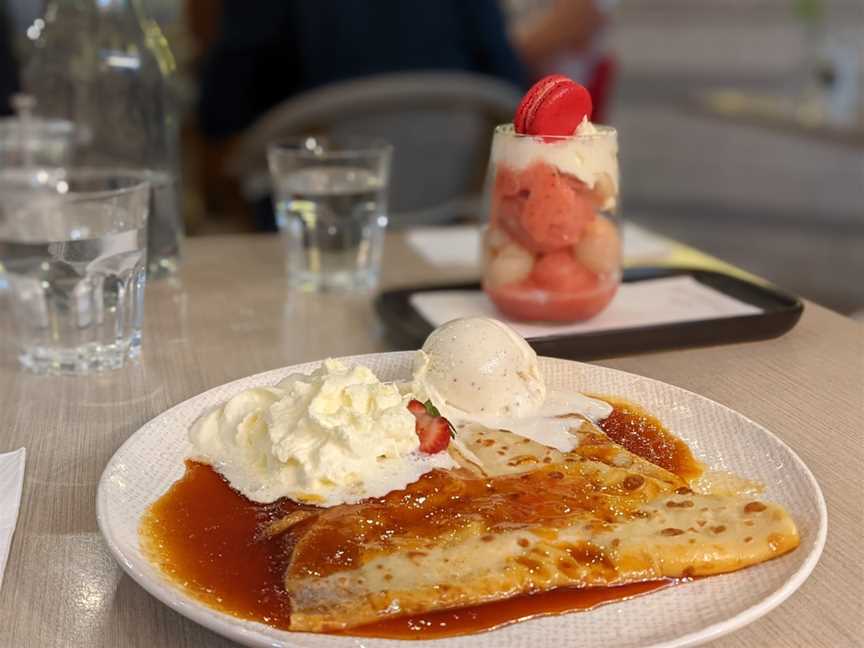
<point>567,25</point>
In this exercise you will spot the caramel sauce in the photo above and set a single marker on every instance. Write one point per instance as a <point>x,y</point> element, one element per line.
<point>643,434</point>
<point>479,618</point>
<point>206,536</point>
<point>211,540</point>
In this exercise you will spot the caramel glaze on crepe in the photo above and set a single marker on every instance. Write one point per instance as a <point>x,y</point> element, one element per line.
<point>532,520</point>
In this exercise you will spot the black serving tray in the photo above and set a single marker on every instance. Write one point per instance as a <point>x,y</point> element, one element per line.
<point>407,329</point>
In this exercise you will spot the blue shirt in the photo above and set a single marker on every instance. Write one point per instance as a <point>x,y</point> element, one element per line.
<point>270,50</point>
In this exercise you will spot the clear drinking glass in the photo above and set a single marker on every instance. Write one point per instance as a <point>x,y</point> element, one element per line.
<point>552,250</point>
<point>331,209</point>
<point>73,246</point>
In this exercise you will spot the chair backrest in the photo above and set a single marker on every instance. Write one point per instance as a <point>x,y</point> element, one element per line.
<point>440,124</point>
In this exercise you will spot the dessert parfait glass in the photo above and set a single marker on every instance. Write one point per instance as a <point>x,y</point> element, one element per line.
<point>551,249</point>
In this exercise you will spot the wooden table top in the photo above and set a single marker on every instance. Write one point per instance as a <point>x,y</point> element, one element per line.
<point>229,315</point>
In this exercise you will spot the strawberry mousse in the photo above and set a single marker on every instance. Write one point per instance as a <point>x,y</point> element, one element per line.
<point>551,250</point>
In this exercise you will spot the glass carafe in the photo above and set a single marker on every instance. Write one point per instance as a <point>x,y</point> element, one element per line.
<point>103,66</point>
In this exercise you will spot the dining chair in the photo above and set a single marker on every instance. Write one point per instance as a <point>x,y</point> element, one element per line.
<point>440,124</point>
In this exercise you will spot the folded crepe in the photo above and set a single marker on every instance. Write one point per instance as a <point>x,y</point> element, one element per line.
<point>530,519</point>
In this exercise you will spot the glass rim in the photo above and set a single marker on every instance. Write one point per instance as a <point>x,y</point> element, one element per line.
<point>345,147</point>
<point>133,181</point>
<point>603,131</point>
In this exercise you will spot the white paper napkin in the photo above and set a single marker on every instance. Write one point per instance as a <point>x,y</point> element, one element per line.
<point>641,303</point>
<point>640,245</point>
<point>459,245</point>
<point>11,481</point>
<point>454,245</point>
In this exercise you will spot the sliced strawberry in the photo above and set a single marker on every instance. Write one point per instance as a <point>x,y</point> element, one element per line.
<point>416,407</point>
<point>433,430</point>
<point>434,434</point>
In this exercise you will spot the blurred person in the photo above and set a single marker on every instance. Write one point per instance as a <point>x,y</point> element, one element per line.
<point>547,32</point>
<point>568,37</point>
<point>264,52</point>
<point>9,81</point>
<point>269,50</point>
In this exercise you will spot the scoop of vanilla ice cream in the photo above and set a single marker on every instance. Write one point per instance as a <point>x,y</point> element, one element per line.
<point>337,435</point>
<point>480,371</point>
<point>480,366</point>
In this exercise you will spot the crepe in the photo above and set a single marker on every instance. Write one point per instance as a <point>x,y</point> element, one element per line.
<point>531,519</point>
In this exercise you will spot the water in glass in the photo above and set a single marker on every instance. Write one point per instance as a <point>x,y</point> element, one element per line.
<point>332,220</point>
<point>76,274</point>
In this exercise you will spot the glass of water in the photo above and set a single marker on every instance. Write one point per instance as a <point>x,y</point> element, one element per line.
<point>331,208</point>
<point>73,247</point>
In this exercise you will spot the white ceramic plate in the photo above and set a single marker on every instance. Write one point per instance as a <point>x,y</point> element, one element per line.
<point>684,615</point>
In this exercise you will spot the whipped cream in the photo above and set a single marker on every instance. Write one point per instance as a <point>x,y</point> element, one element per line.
<point>337,435</point>
<point>585,127</point>
<point>477,370</point>
<point>589,156</point>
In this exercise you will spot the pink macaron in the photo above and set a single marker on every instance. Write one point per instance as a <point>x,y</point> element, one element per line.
<point>555,105</point>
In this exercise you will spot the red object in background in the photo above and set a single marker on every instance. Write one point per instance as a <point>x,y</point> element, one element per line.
<point>601,85</point>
